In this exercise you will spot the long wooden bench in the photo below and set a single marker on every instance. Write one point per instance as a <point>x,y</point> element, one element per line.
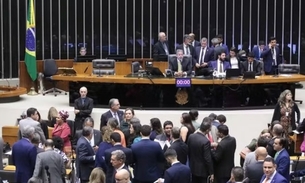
<point>10,134</point>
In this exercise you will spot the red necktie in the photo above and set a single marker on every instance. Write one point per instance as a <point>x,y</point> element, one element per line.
<point>210,138</point>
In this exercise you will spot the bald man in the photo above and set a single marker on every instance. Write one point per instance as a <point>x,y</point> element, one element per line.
<point>82,108</point>
<point>161,48</point>
<point>254,171</point>
<point>122,176</point>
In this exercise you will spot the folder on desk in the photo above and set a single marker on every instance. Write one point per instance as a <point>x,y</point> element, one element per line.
<point>66,71</point>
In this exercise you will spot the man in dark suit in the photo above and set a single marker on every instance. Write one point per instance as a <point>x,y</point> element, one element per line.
<point>187,47</point>
<point>179,146</point>
<point>254,171</point>
<point>258,49</point>
<point>82,108</point>
<point>223,155</point>
<point>118,159</point>
<point>180,66</point>
<point>147,154</point>
<point>161,48</point>
<point>251,65</point>
<point>277,132</point>
<point>85,156</point>
<point>271,57</point>
<point>114,112</point>
<point>24,155</point>
<point>178,172</point>
<point>270,174</point>
<point>220,65</point>
<point>200,158</point>
<point>221,44</point>
<point>97,136</point>
<point>217,48</point>
<point>203,55</point>
<point>282,158</point>
<point>193,42</point>
<point>116,141</point>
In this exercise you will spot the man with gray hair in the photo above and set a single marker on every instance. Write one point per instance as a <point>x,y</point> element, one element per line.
<point>36,141</point>
<point>179,65</point>
<point>24,155</point>
<point>114,112</point>
<point>161,48</point>
<point>217,48</point>
<point>85,155</point>
<point>277,131</point>
<point>117,160</point>
<point>203,55</point>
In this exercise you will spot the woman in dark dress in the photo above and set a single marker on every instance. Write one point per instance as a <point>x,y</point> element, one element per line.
<point>285,111</point>
<point>187,127</point>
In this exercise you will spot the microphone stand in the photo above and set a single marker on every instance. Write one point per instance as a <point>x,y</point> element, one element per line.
<point>73,174</point>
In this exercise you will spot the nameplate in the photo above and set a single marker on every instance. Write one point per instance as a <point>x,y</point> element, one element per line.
<point>183,82</point>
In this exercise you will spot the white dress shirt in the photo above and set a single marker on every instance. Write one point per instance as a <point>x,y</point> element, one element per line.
<point>274,56</point>
<point>186,49</point>
<point>202,55</point>
<point>234,63</point>
<point>219,64</point>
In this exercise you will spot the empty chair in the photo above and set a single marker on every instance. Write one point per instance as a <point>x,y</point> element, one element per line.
<point>50,69</point>
<point>103,67</point>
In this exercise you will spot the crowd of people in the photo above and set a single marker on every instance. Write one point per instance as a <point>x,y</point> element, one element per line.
<point>124,150</point>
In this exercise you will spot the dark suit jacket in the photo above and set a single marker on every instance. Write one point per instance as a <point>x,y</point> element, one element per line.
<point>182,150</point>
<point>254,172</point>
<point>214,65</point>
<point>271,152</point>
<point>219,49</point>
<point>200,158</point>
<point>268,60</point>
<point>192,52</point>
<point>24,158</point>
<point>283,164</point>
<point>96,135</point>
<point>209,54</point>
<point>110,169</point>
<point>278,178</point>
<point>256,66</point>
<point>159,49</point>
<point>147,154</point>
<point>107,115</point>
<point>186,65</point>
<point>196,43</point>
<point>178,173</point>
<point>223,157</point>
<point>295,110</point>
<point>85,111</point>
<point>84,159</point>
<point>257,53</point>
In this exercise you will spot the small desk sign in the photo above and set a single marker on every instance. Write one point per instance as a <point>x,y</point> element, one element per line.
<point>183,82</point>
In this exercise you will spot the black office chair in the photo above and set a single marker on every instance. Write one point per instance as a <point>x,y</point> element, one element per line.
<point>50,69</point>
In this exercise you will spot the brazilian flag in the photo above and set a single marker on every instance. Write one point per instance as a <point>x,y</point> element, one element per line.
<point>30,45</point>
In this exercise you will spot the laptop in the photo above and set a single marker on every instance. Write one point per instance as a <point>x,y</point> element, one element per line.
<point>249,75</point>
<point>232,73</point>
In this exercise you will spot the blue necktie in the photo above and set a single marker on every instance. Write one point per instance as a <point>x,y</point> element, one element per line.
<point>83,101</point>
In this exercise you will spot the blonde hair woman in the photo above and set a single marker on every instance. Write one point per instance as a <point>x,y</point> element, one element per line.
<point>106,144</point>
<point>52,115</point>
<point>285,111</point>
<point>97,176</point>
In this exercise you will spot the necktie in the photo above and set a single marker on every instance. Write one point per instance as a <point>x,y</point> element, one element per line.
<point>83,101</point>
<point>201,56</point>
<point>276,155</point>
<point>187,50</point>
<point>165,48</point>
<point>221,67</point>
<point>266,179</point>
<point>179,66</point>
<point>116,117</point>
<point>250,67</point>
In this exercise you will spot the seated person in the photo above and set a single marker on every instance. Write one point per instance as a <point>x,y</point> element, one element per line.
<point>251,65</point>
<point>220,65</point>
<point>180,66</point>
<point>82,52</point>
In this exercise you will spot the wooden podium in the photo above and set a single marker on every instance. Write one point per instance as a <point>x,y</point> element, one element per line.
<point>298,139</point>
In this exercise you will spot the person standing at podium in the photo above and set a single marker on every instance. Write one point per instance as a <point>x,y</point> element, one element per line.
<point>82,108</point>
<point>180,66</point>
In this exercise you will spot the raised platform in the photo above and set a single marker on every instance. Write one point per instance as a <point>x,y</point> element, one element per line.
<point>11,94</point>
<point>243,124</point>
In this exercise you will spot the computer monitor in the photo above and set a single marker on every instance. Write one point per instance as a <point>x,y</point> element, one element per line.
<point>85,58</point>
<point>135,67</point>
<point>119,57</point>
<point>154,71</point>
<point>232,73</point>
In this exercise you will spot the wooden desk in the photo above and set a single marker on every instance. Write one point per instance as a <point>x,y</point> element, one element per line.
<point>13,168</point>
<point>171,81</point>
<point>10,134</point>
<point>81,68</point>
